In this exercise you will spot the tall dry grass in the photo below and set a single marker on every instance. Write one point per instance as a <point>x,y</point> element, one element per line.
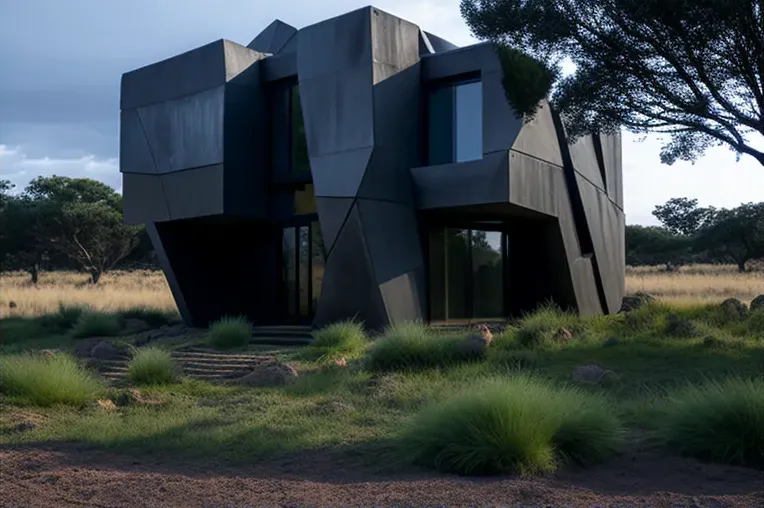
<point>146,288</point>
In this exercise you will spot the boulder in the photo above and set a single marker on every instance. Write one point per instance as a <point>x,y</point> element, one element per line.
<point>637,300</point>
<point>734,309</point>
<point>105,351</point>
<point>268,374</point>
<point>757,303</point>
<point>592,374</point>
<point>132,326</point>
<point>678,327</point>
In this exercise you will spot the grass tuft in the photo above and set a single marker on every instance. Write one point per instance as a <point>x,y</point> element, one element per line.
<point>545,327</point>
<point>230,332</point>
<point>755,322</point>
<point>46,380</point>
<point>341,338</point>
<point>151,316</point>
<point>151,366</point>
<point>720,421</point>
<point>96,324</point>
<point>519,425</point>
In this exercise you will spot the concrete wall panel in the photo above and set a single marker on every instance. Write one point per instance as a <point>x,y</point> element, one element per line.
<point>534,184</point>
<point>186,132</point>
<point>146,200</point>
<point>584,158</point>
<point>405,297</point>
<point>394,41</point>
<point>538,138</point>
<point>611,152</point>
<point>241,63</point>
<point>478,57</point>
<point>194,192</point>
<point>134,153</point>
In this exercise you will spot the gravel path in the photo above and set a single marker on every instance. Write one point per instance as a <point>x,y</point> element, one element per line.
<point>66,476</point>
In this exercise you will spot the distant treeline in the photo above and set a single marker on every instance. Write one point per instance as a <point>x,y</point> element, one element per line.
<point>61,223</point>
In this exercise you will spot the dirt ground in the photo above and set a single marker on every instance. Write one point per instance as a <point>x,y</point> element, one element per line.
<point>69,476</point>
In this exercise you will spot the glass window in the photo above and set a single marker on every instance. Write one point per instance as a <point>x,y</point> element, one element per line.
<point>318,255</point>
<point>457,273</point>
<point>289,276</point>
<point>305,200</point>
<point>440,112</point>
<point>487,274</point>
<point>468,128</point>
<point>299,145</point>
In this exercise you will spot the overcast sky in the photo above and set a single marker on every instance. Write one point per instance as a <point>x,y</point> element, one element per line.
<point>61,62</point>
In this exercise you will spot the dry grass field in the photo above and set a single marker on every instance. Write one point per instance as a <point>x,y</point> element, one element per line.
<point>120,290</point>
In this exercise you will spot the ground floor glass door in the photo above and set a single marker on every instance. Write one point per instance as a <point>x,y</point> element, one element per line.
<point>302,264</point>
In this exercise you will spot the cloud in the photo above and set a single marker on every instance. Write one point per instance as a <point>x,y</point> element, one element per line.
<point>20,169</point>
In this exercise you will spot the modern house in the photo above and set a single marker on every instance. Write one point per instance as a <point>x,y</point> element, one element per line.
<point>363,167</point>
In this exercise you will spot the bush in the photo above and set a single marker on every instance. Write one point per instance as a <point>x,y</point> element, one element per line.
<point>718,421</point>
<point>151,366</point>
<point>412,346</point>
<point>151,316</point>
<point>65,319</point>
<point>230,332</point>
<point>341,338</point>
<point>546,327</point>
<point>755,322</point>
<point>519,425</point>
<point>96,324</point>
<point>47,380</point>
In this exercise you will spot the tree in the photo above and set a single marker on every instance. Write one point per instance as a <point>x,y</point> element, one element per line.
<point>736,234</point>
<point>690,69</point>
<point>650,245</point>
<point>21,249</point>
<point>682,216</point>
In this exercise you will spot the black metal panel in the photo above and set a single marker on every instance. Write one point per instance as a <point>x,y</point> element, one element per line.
<point>332,213</point>
<point>151,207</point>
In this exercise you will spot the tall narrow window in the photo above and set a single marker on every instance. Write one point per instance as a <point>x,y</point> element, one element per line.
<point>455,123</point>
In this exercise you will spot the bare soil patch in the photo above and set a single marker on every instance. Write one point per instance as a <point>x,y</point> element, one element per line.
<point>66,475</point>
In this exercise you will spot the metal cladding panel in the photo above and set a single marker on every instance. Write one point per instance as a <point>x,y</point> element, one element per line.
<point>245,144</point>
<point>584,158</point>
<point>134,153</point>
<point>501,126</point>
<point>187,132</point>
<point>185,74</point>
<point>425,46</point>
<point>338,111</point>
<point>194,192</point>
<point>144,199</point>
<point>438,44</point>
<point>585,287</point>
<point>392,237</point>
<point>476,182</point>
<point>335,45</point>
<point>538,138</point>
<point>534,184</point>
<point>478,57</point>
<point>611,155</point>
<point>349,289</point>
<point>606,223</point>
<point>388,177</point>
<point>339,174</point>
<point>332,213</point>
<point>394,41</point>
<point>404,297</point>
<point>157,241</point>
<point>278,67</point>
<point>273,38</point>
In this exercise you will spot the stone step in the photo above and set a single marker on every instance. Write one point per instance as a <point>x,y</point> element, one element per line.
<point>295,340</point>
<point>211,355</point>
<point>216,365</point>
<point>196,371</point>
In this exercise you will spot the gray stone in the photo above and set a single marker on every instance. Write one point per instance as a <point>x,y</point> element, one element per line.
<point>106,351</point>
<point>269,374</point>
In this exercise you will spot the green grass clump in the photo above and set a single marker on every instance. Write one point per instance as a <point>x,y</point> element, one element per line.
<point>96,324</point>
<point>230,332</point>
<point>46,380</point>
<point>341,338</point>
<point>755,322</point>
<point>720,421</point>
<point>151,366</point>
<point>151,316</point>
<point>542,328</point>
<point>517,425</point>
<point>411,346</point>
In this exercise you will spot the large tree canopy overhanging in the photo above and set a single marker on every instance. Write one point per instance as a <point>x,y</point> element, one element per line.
<point>690,69</point>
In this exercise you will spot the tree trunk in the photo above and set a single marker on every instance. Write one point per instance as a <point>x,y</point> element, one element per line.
<point>95,275</point>
<point>34,273</point>
<point>741,266</point>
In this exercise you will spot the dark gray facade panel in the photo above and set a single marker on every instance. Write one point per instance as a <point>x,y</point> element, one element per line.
<point>335,45</point>
<point>332,213</point>
<point>534,184</point>
<point>289,46</point>
<point>349,289</point>
<point>405,297</point>
<point>611,152</point>
<point>478,57</point>
<point>387,177</point>
<point>394,41</point>
<point>187,132</point>
<point>463,184</point>
<point>134,153</point>
<point>538,138</point>
<point>151,207</point>
<point>425,46</point>
<point>278,67</point>
<point>169,273</point>
<point>584,160</point>
<point>194,192</point>
<point>273,38</point>
<point>339,174</point>
<point>439,44</point>
<point>392,238</point>
<point>585,287</point>
<point>500,124</point>
<point>194,71</point>
<point>606,225</point>
<point>338,111</point>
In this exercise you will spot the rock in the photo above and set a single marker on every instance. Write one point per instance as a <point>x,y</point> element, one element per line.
<point>734,309</point>
<point>133,326</point>
<point>341,362</point>
<point>268,374</point>
<point>106,404</point>
<point>485,332</point>
<point>563,335</point>
<point>475,345</point>
<point>757,303</point>
<point>174,330</point>
<point>105,351</point>
<point>591,374</point>
<point>612,341</point>
<point>636,301</point>
<point>678,327</point>
<point>24,427</point>
<point>83,347</point>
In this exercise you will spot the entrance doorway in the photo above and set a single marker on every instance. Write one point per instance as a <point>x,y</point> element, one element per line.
<point>302,271</point>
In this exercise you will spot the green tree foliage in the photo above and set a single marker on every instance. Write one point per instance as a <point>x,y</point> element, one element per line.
<point>736,234</point>
<point>650,245</point>
<point>690,69</point>
<point>683,216</point>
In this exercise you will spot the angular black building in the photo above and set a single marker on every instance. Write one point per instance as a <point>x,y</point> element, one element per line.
<point>363,167</point>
